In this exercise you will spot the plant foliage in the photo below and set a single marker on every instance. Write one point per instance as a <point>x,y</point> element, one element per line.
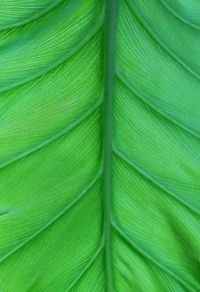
<point>99,145</point>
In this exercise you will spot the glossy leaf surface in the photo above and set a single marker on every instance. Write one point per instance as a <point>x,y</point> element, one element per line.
<point>100,145</point>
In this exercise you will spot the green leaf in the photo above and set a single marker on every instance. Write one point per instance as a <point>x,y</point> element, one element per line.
<point>100,145</point>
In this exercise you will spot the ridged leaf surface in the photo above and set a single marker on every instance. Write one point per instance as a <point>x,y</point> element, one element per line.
<point>99,145</point>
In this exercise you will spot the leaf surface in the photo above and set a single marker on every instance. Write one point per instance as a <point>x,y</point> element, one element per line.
<point>99,135</point>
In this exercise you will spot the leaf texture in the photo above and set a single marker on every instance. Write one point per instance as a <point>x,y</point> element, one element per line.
<point>99,135</point>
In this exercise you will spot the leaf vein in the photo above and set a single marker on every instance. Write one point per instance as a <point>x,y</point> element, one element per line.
<point>175,14</point>
<point>86,268</point>
<point>34,17</point>
<point>135,246</point>
<point>50,68</point>
<point>134,165</point>
<point>55,137</point>
<point>155,108</point>
<point>161,43</point>
<point>56,217</point>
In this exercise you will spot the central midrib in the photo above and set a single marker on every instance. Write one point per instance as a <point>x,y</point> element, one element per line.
<point>109,78</point>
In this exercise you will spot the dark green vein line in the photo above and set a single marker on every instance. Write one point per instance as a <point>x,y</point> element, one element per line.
<point>145,99</point>
<point>175,14</point>
<point>34,17</point>
<point>55,218</point>
<point>130,241</point>
<point>5,212</point>
<point>97,27</point>
<point>86,268</point>
<point>54,137</point>
<point>160,42</point>
<point>149,177</point>
<point>109,71</point>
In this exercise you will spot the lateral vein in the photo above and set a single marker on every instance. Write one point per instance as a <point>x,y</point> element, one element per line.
<point>54,137</point>
<point>151,179</point>
<point>130,241</point>
<point>56,217</point>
